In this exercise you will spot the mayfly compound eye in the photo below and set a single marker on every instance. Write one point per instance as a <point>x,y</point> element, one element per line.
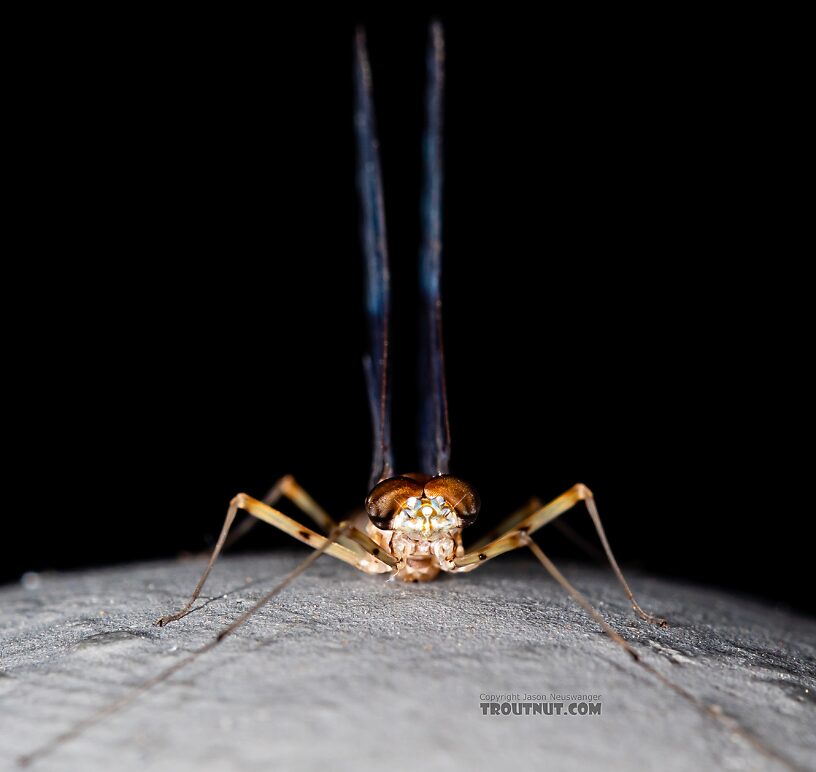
<point>390,496</point>
<point>460,495</point>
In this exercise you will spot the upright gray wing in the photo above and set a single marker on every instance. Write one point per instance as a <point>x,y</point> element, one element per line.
<point>435,429</point>
<point>375,252</point>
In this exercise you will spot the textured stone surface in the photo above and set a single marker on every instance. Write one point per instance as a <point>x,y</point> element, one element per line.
<point>347,671</point>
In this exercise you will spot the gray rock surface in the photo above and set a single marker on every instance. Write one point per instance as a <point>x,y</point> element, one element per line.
<point>344,671</point>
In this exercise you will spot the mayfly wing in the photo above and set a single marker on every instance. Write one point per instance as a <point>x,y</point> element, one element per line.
<point>375,252</point>
<point>435,429</point>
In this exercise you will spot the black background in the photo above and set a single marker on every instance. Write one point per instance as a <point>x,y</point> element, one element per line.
<point>619,310</point>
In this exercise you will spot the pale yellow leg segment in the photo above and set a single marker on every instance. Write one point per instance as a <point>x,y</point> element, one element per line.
<point>531,523</point>
<point>298,496</point>
<point>354,548</point>
<point>350,548</point>
<point>287,486</point>
<point>533,505</point>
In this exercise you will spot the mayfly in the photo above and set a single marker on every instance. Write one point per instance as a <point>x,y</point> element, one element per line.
<point>412,524</point>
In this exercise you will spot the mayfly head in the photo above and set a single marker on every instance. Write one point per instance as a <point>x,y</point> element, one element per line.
<point>423,509</point>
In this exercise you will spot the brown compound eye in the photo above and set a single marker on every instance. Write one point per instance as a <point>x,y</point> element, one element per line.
<point>387,497</point>
<point>459,494</point>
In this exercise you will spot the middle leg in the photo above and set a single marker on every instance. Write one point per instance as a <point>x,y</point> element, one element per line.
<point>516,537</point>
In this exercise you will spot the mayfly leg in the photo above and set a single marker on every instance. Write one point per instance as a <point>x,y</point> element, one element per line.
<point>712,711</point>
<point>529,524</point>
<point>533,505</point>
<point>352,547</point>
<point>114,707</point>
<point>288,487</point>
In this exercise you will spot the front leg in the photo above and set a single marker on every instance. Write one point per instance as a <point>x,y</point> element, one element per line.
<point>353,547</point>
<point>517,535</point>
<point>289,488</point>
